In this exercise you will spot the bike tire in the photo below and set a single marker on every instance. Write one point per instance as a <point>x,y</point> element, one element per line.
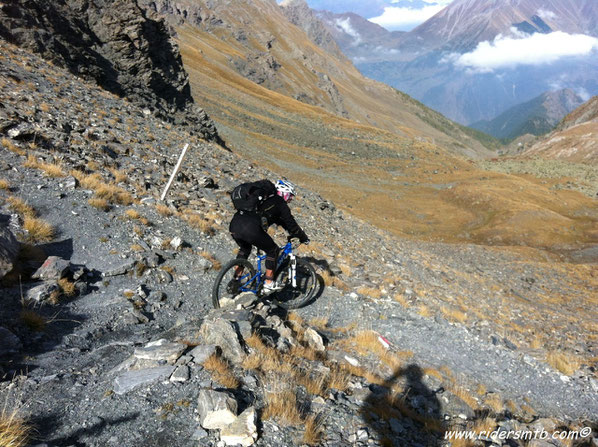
<point>226,274</point>
<point>307,281</point>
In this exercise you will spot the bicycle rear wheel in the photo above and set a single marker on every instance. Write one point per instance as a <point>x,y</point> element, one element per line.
<point>226,288</point>
<point>294,297</point>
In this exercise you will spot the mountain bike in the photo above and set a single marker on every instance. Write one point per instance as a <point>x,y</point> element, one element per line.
<point>296,275</point>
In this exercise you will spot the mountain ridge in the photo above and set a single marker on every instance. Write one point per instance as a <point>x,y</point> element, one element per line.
<point>574,139</point>
<point>535,117</point>
<point>426,67</point>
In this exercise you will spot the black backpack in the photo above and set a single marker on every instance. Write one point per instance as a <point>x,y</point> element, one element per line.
<point>248,196</point>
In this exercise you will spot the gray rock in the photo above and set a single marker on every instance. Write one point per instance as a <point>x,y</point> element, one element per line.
<point>206,182</point>
<point>548,425</point>
<point>396,426</point>
<point>152,260</point>
<point>242,431</point>
<point>70,182</point>
<point>120,269</point>
<point>181,374</point>
<point>314,340</point>
<point>202,352</point>
<point>223,334</point>
<point>42,292</point>
<point>244,328</point>
<point>454,405</point>
<point>363,434</point>
<point>203,264</point>
<point>199,434</point>
<point>164,277</point>
<point>9,342</point>
<point>176,243</point>
<point>133,379</point>
<point>9,247</point>
<point>160,350</point>
<point>216,409</point>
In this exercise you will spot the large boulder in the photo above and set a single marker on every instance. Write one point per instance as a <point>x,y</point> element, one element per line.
<point>9,249</point>
<point>223,334</point>
<point>216,409</point>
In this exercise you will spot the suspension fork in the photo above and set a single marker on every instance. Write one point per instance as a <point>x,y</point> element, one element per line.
<point>293,270</point>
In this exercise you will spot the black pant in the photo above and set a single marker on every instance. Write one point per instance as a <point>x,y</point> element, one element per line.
<point>246,229</point>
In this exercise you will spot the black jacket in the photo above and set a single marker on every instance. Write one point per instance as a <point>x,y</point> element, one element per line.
<point>274,210</point>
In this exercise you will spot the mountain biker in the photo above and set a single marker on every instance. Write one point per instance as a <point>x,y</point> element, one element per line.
<point>250,228</point>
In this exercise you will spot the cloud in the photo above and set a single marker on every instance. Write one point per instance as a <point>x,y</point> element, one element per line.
<point>345,25</point>
<point>582,93</point>
<point>546,14</point>
<point>405,18</point>
<point>537,49</point>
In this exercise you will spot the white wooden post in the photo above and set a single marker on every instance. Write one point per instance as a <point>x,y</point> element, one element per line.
<point>174,173</point>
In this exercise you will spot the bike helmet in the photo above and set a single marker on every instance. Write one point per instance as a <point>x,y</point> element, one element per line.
<point>285,189</point>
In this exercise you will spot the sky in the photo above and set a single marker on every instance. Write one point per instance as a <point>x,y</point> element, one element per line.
<point>394,15</point>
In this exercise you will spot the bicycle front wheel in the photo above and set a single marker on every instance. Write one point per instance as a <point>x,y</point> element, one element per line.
<point>306,282</point>
<point>226,287</point>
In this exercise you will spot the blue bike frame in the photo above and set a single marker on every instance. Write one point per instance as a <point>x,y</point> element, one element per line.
<point>258,278</point>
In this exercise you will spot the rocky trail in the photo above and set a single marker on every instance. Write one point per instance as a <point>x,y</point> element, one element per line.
<point>116,343</point>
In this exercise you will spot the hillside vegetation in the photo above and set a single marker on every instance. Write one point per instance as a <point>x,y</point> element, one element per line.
<point>400,181</point>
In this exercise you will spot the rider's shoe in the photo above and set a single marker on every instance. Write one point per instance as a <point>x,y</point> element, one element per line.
<point>233,286</point>
<point>270,287</point>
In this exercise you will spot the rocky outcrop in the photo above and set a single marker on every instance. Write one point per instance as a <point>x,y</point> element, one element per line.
<point>115,43</point>
<point>300,14</point>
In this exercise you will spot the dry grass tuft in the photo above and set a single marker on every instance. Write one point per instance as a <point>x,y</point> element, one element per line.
<point>67,287</point>
<point>4,184</point>
<point>313,385</point>
<point>8,144</point>
<point>51,169</point>
<point>424,311</point>
<point>454,315</point>
<point>494,402</point>
<point>101,204</point>
<point>132,214</point>
<point>313,431</point>
<point>20,207</point>
<point>282,407</point>
<point>327,278</point>
<point>338,379</point>
<point>114,194</point>
<point>14,431</point>
<point>119,176</point>
<point>334,281</point>
<point>216,264</point>
<point>38,230</point>
<point>163,210</point>
<point>369,291</point>
<point>31,162</point>
<point>55,296</point>
<point>103,190</point>
<point>221,371</point>
<point>567,364</point>
<point>400,298</point>
<point>33,321</point>
<point>202,224</point>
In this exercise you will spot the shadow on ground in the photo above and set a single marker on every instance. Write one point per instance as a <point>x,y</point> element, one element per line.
<point>404,411</point>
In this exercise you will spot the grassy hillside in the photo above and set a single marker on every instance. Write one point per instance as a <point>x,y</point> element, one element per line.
<point>397,180</point>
